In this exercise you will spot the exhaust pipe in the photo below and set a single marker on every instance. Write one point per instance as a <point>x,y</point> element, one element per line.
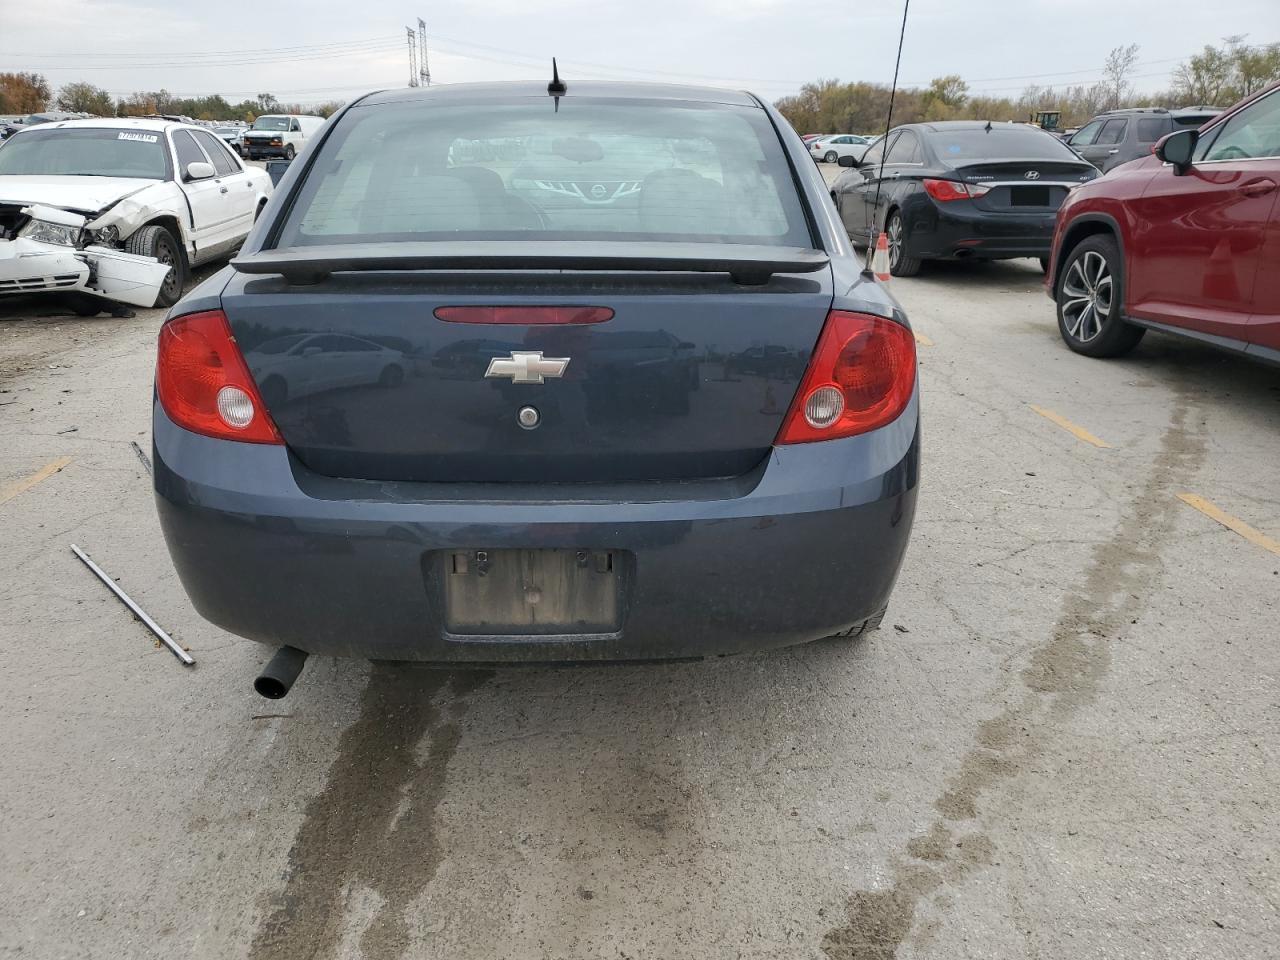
<point>281,670</point>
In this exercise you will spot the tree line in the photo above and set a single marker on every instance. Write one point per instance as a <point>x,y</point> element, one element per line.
<point>1217,76</point>
<point>22,93</point>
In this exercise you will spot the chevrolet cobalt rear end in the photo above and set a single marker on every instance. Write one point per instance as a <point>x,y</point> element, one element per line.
<point>505,376</point>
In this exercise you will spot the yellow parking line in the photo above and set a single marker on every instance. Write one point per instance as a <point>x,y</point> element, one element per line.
<point>922,339</point>
<point>1256,537</point>
<point>1080,433</point>
<point>44,473</point>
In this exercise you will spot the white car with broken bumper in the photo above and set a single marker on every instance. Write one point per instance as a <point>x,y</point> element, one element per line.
<point>120,209</point>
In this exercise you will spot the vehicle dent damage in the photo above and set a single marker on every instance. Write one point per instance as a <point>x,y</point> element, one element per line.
<point>45,248</point>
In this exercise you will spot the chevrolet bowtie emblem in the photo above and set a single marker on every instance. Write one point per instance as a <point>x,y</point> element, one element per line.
<point>524,367</point>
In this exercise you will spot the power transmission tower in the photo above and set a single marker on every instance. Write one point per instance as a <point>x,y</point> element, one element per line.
<point>413,57</point>
<point>424,68</point>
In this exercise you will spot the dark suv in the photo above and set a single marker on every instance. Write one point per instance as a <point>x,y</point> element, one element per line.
<point>1119,136</point>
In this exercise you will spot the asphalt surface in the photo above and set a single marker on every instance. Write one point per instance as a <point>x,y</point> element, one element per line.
<point>1063,742</point>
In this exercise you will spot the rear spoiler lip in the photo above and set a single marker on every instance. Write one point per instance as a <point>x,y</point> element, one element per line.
<point>746,264</point>
<point>996,161</point>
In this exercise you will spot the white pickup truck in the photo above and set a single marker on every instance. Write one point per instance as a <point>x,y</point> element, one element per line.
<point>120,209</point>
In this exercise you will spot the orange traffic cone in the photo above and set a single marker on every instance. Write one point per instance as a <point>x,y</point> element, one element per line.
<point>880,258</point>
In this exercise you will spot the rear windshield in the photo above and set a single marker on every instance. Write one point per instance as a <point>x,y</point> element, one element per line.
<point>593,170</point>
<point>84,153</point>
<point>1002,142</point>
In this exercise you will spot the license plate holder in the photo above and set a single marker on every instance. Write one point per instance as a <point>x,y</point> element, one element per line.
<point>531,593</point>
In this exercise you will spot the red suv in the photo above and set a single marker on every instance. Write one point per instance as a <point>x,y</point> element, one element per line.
<point>1186,241</point>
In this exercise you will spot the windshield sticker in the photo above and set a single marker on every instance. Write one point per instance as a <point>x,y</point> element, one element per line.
<point>140,137</point>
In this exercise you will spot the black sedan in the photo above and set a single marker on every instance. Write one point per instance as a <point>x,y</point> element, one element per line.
<point>960,189</point>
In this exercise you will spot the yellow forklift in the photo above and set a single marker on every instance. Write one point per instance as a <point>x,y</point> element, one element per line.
<point>1047,119</point>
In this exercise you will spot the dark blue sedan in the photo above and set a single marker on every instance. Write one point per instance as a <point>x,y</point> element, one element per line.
<point>513,373</point>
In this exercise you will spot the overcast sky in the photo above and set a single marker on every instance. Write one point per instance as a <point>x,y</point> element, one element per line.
<point>242,47</point>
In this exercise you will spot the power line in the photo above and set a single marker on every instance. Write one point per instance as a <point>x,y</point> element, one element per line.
<point>1095,70</point>
<point>219,53</point>
<point>524,59</point>
<point>358,87</point>
<point>169,64</point>
<point>584,70</point>
<point>1095,79</point>
<point>94,67</point>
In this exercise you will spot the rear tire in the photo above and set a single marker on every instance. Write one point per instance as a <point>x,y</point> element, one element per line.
<point>156,241</point>
<point>1090,298</point>
<point>900,265</point>
<point>831,156</point>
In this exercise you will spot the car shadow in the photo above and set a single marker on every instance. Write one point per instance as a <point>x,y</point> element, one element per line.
<point>1019,275</point>
<point>1249,387</point>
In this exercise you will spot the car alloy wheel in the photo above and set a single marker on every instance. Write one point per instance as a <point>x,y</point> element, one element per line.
<point>1087,291</point>
<point>895,240</point>
<point>900,263</point>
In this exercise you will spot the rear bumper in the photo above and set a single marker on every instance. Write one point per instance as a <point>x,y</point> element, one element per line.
<point>948,232</point>
<point>806,546</point>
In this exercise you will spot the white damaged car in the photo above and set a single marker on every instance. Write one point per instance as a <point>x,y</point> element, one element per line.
<point>120,209</point>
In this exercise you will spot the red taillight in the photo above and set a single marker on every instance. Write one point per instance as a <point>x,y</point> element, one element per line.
<point>529,316</point>
<point>860,377</point>
<point>947,190</point>
<point>203,383</point>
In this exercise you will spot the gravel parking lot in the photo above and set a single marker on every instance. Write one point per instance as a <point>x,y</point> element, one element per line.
<point>1063,742</point>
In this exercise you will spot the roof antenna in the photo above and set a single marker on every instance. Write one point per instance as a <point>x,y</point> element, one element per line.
<point>557,87</point>
<point>868,267</point>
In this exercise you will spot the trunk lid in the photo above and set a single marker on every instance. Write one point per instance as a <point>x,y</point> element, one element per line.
<point>689,379</point>
<point>1025,186</point>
